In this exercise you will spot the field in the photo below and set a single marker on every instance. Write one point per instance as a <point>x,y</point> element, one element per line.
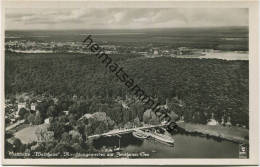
<point>28,134</point>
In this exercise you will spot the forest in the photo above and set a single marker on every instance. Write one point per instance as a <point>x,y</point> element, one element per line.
<point>202,87</point>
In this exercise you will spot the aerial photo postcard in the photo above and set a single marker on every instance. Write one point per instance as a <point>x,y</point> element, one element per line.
<point>123,82</point>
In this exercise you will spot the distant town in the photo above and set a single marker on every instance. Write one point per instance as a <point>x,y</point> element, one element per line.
<point>149,51</point>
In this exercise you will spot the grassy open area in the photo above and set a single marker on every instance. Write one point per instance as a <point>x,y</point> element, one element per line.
<point>28,134</point>
<point>235,134</point>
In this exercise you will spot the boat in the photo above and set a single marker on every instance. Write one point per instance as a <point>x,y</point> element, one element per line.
<point>164,122</point>
<point>117,149</point>
<point>140,134</point>
<point>165,138</point>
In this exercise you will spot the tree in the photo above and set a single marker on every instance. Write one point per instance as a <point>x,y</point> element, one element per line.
<point>52,111</point>
<point>73,108</point>
<point>173,116</point>
<point>38,119</point>
<point>21,99</point>
<point>22,113</point>
<point>101,128</point>
<point>65,138</point>
<point>77,148</point>
<point>8,148</point>
<point>128,125</point>
<point>89,130</point>
<point>116,114</point>
<point>147,116</point>
<point>31,118</point>
<point>42,108</point>
<point>137,122</point>
<point>57,128</point>
<point>62,148</point>
<point>17,144</point>
<point>110,122</point>
<point>43,135</point>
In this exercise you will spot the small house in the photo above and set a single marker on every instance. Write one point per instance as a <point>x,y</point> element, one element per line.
<point>47,121</point>
<point>155,52</point>
<point>212,122</point>
<point>33,106</point>
<point>13,120</point>
<point>66,112</point>
<point>21,105</point>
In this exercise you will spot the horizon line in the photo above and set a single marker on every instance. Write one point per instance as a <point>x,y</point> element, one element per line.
<point>127,28</point>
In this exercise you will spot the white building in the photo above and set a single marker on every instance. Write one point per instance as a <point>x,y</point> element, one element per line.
<point>19,107</point>
<point>47,121</point>
<point>155,52</point>
<point>66,112</point>
<point>33,106</point>
<point>213,122</point>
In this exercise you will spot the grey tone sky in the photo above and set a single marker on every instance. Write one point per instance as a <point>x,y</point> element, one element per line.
<point>123,18</point>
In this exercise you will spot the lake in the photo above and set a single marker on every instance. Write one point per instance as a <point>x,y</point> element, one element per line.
<point>225,55</point>
<point>186,146</point>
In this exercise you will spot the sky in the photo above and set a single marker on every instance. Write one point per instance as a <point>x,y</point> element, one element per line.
<point>123,18</point>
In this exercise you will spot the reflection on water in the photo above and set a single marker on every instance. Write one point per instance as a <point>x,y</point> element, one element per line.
<point>186,146</point>
<point>125,141</point>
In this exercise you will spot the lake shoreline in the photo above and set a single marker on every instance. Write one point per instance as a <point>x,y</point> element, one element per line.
<point>233,134</point>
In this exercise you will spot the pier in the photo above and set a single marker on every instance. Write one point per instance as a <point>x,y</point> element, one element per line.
<point>124,131</point>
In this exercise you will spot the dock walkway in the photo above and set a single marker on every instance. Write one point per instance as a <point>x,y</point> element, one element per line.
<point>123,131</point>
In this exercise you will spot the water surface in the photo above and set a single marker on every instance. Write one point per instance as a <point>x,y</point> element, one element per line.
<point>186,146</point>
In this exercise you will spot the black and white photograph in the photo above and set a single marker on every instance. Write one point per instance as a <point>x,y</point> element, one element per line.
<point>110,81</point>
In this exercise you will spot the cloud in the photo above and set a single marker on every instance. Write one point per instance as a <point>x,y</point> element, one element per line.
<point>80,18</point>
